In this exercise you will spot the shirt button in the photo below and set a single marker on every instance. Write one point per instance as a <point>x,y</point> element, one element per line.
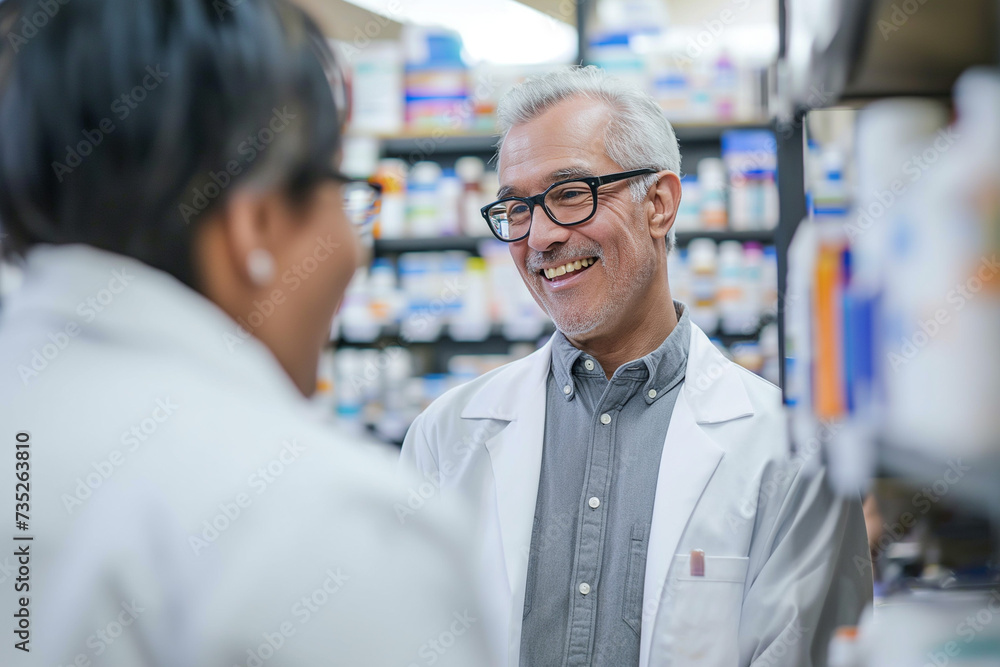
<point>567,389</point>
<point>605,418</point>
<point>584,588</point>
<point>588,364</point>
<point>594,502</point>
<point>651,393</point>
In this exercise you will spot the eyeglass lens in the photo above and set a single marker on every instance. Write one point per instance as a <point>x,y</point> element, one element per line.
<point>360,202</point>
<point>568,203</point>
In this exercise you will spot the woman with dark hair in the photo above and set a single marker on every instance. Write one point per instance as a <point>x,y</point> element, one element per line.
<point>167,182</point>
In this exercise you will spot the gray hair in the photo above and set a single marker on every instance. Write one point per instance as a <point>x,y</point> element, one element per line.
<point>639,134</point>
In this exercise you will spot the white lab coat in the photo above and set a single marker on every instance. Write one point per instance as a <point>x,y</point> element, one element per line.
<point>785,560</point>
<point>189,504</point>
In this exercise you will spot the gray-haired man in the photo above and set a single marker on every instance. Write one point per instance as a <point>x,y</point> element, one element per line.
<point>636,500</point>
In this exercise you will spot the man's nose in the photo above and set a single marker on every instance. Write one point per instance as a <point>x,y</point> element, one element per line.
<point>544,232</point>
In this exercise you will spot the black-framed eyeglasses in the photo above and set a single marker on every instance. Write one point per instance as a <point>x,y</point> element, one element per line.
<point>567,203</point>
<point>362,198</point>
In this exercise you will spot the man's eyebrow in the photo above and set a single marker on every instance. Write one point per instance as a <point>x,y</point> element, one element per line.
<point>570,172</point>
<point>554,177</point>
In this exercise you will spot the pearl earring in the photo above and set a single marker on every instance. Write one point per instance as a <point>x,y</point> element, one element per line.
<point>260,266</point>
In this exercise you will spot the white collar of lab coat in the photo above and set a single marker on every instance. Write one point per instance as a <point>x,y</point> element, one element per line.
<point>146,310</point>
<point>712,385</point>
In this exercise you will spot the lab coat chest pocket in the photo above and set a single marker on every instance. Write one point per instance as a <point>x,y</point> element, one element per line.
<point>704,611</point>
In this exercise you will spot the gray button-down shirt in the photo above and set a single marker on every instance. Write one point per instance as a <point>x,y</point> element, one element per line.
<point>600,460</point>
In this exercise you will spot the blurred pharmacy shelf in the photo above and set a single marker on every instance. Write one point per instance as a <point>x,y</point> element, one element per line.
<point>450,142</point>
<point>978,493</point>
<point>443,302</point>
<point>890,309</point>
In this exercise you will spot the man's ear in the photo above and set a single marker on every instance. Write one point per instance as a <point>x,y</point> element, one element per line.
<point>662,203</point>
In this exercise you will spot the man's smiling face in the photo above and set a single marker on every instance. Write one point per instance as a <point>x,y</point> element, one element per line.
<point>565,141</point>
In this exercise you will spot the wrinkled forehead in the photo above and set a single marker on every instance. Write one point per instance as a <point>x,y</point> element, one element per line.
<point>564,141</point>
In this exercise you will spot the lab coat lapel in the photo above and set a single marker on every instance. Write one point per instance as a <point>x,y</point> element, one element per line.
<point>712,392</point>
<point>517,394</point>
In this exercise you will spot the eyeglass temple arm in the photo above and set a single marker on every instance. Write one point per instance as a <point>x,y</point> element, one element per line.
<point>604,180</point>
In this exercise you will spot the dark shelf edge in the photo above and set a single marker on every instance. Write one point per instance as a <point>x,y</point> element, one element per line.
<point>390,336</point>
<point>712,133</point>
<point>384,247</point>
<point>758,235</point>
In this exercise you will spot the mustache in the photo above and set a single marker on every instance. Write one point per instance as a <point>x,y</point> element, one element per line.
<point>535,261</point>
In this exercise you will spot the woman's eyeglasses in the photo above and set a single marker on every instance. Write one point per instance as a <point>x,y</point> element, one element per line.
<point>362,198</point>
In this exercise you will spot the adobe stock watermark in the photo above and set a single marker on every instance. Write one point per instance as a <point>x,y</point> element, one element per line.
<point>968,629</point>
<point>564,13</point>
<point>411,328</point>
<point>231,510</point>
<point>898,15</point>
<point>121,107</point>
<point>418,497</point>
<point>455,119</point>
<point>29,26</point>
<point>58,341</point>
<point>914,168</point>
<point>363,35</point>
<point>302,610</point>
<point>223,7</point>
<point>923,500</point>
<point>132,439</point>
<point>957,298</point>
<point>104,637</point>
<point>215,182</point>
<point>556,531</point>
<point>781,480</point>
<point>434,648</point>
<point>293,277</point>
<point>783,645</point>
<point>7,569</point>
<point>712,30</point>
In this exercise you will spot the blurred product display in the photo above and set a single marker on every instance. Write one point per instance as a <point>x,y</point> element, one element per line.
<point>415,318</point>
<point>892,363</point>
<point>429,200</point>
<point>894,279</point>
<point>738,191</point>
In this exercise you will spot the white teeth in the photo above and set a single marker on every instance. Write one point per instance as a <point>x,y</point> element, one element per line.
<point>567,268</point>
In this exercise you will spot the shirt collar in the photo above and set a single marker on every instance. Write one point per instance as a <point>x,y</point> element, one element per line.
<point>662,369</point>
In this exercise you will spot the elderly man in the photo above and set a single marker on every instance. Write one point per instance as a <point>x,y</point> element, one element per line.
<point>637,501</point>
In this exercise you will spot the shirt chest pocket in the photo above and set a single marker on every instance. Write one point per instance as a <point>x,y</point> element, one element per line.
<point>703,621</point>
<point>634,577</point>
